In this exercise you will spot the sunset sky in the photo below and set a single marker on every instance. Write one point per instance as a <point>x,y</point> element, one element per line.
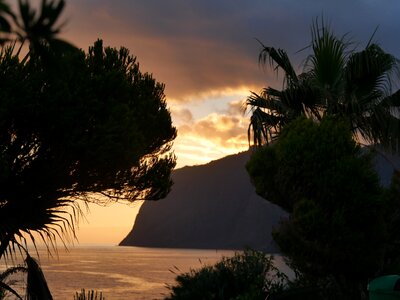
<point>206,53</point>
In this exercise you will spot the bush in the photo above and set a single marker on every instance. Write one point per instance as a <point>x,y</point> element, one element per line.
<point>337,232</point>
<point>247,275</point>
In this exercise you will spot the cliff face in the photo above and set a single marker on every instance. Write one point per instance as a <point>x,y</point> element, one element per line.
<point>212,206</point>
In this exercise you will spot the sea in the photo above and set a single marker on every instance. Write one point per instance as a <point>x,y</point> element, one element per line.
<point>118,272</point>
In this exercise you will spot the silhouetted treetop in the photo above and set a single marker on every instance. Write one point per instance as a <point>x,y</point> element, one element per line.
<point>337,80</point>
<point>73,126</point>
<point>92,123</point>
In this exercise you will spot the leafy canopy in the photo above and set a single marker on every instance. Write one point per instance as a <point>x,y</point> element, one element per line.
<point>338,226</point>
<point>75,126</point>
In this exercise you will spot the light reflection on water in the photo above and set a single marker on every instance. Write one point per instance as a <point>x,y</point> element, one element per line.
<point>120,272</point>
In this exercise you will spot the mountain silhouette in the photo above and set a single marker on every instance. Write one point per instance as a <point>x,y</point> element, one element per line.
<point>212,206</point>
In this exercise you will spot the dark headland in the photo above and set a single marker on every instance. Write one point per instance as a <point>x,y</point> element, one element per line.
<point>212,206</point>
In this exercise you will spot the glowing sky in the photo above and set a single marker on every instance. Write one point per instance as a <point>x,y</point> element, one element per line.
<point>206,53</point>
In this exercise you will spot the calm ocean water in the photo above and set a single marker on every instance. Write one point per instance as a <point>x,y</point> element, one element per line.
<point>120,272</point>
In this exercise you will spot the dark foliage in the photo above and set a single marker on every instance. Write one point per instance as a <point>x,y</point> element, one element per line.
<point>337,80</point>
<point>75,125</point>
<point>90,124</point>
<point>245,276</point>
<point>337,234</point>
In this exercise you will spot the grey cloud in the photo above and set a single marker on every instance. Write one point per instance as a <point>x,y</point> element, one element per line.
<point>194,46</point>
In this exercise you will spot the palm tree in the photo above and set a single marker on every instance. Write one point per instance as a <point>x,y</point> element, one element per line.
<point>337,80</point>
<point>5,25</point>
<point>40,28</point>
<point>36,287</point>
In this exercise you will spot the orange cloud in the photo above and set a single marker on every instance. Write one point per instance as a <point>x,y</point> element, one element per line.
<point>214,136</point>
<point>203,49</point>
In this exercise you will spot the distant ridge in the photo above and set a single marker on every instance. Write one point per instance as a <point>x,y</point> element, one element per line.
<point>212,206</point>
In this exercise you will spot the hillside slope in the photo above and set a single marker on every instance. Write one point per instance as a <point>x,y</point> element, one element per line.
<point>213,206</point>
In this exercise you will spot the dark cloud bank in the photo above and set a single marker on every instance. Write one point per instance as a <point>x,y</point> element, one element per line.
<point>199,46</point>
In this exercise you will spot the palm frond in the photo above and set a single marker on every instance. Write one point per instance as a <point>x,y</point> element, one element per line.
<point>369,70</point>
<point>40,25</point>
<point>8,272</point>
<point>40,28</point>
<point>36,286</point>
<point>6,287</point>
<point>49,224</point>
<point>327,61</point>
<point>336,80</point>
<point>5,26</point>
<point>391,101</point>
<point>278,59</point>
<point>256,101</point>
<point>264,126</point>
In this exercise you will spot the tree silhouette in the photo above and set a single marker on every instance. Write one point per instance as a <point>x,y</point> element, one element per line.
<point>337,81</point>
<point>340,230</point>
<point>75,126</point>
